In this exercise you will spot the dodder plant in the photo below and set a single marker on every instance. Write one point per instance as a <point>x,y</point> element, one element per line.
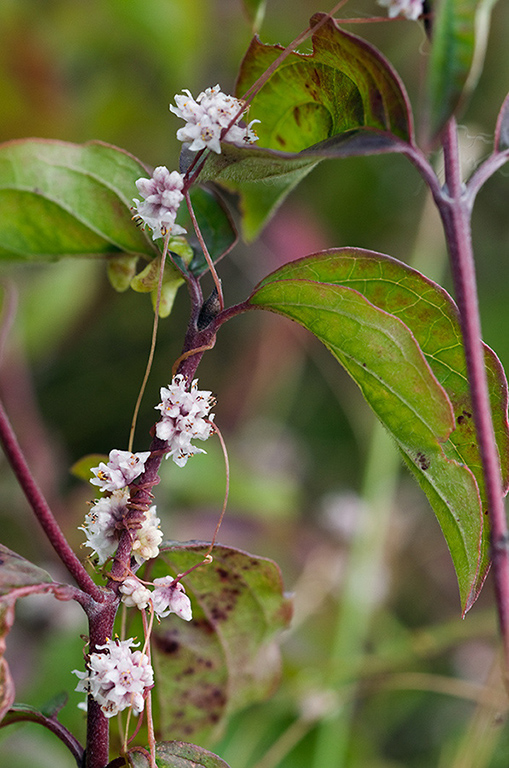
<point>417,357</point>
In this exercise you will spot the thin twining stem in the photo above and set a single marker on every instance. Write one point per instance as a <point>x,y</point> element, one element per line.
<point>190,353</point>
<point>147,630</point>
<point>152,344</point>
<point>227,489</point>
<point>42,510</point>
<point>258,84</point>
<point>208,258</point>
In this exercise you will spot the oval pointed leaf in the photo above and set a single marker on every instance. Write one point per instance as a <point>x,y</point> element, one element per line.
<point>448,469</point>
<point>460,30</point>
<point>344,84</point>
<point>60,199</point>
<point>178,754</point>
<point>262,178</point>
<point>327,101</point>
<point>226,656</point>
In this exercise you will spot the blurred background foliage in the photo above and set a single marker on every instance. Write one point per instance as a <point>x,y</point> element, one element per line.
<point>379,670</point>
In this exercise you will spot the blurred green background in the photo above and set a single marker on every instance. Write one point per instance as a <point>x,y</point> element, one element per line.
<point>379,670</point>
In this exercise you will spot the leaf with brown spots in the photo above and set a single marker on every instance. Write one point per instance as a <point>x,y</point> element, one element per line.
<point>227,656</point>
<point>344,84</point>
<point>342,99</point>
<point>178,754</point>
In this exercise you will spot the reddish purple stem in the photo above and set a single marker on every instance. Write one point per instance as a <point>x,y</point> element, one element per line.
<point>42,511</point>
<point>454,207</point>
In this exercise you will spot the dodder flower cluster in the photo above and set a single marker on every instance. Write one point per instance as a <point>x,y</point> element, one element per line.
<point>207,117</point>
<point>185,416</point>
<point>103,523</point>
<point>163,195</point>
<point>168,597</point>
<point>118,678</point>
<point>410,9</point>
<point>122,468</point>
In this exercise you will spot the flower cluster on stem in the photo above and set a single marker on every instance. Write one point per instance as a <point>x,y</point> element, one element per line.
<point>117,679</point>
<point>185,415</point>
<point>162,195</point>
<point>106,519</point>
<point>410,9</point>
<point>168,596</point>
<point>208,116</point>
<point>122,469</point>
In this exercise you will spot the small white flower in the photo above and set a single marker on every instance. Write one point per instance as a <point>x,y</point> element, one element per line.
<point>148,537</point>
<point>170,597</point>
<point>122,468</point>
<point>118,678</point>
<point>206,118</point>
<point>410,9</point>
<point>163,195</point>
<point>101,527</point>
<point>185,416</point>
<point>135,594</point>
<point>104,525</point>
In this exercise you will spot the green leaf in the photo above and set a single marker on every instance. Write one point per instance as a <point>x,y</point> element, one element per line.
<point>178,754</point>
<point>226,657</point>
<point>460,32</point>
<point>82,467</point>
<point>344,86</point>
<point>345,83</point>
<point>121,270</point>
<point>147,281</point>
<point>59,199</point>
<point>262,179</point>
<point>397,334</point>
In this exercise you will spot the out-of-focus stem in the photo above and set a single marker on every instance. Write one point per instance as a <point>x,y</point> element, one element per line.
<point>360,593</point>
<point>42,511</point>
